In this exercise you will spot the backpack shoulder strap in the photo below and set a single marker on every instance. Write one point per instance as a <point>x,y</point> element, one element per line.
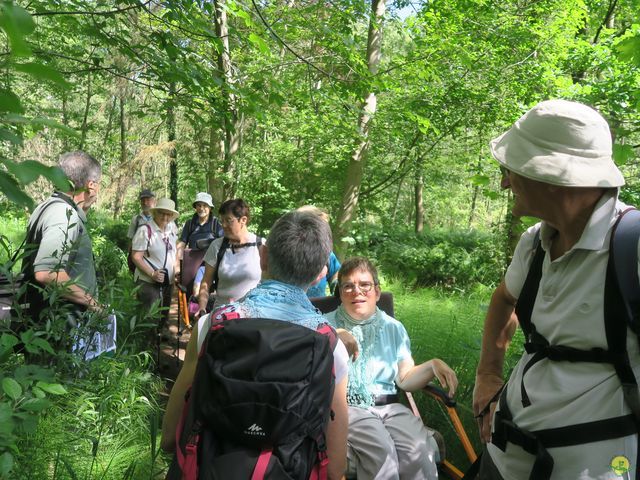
<point>146,257</point>
<point>330,332</point>
<point>192,228</point>
<point>223,248</point>
<point>624,250</point>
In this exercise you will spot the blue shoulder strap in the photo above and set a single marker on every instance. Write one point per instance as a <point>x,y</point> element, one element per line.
<point>624,248</point>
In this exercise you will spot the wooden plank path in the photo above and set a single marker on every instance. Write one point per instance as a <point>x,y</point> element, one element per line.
<point>173,348</point>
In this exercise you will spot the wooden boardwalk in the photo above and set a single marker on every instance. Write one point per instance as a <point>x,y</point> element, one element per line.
<point>172,349</point>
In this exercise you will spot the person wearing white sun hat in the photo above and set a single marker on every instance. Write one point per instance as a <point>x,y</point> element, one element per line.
<point>563,414</point>
<point>198,233</point>
<point>154,254</point>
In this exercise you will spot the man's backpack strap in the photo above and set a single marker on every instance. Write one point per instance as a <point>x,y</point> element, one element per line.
<point>622,292</point>
<point>624,250</point>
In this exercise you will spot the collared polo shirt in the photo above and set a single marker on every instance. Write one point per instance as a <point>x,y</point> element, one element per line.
<point>569,310</point>
<point>65,243</point>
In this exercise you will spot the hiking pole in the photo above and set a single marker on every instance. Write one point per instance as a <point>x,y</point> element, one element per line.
<point>159,330</point>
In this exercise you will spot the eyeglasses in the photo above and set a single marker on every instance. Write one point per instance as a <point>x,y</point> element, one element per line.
<point>504,171</point>
<point>364,287</point>
<point>228,220</point>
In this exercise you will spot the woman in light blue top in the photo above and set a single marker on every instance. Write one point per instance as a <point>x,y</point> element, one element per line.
<point>386,441</point>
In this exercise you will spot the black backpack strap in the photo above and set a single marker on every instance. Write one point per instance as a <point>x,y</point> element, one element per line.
<point>223,248</point>
<point>216,227</point>
<point>622,300</point>
<point>524,308</point>
<point>529,292</point>
<point>621,297</point>
<point>192,227</point>
<point>618,312</point>
<point>624,250</point>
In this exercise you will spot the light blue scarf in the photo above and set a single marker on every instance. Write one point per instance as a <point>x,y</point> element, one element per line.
<point>281,301</point>
<point>365,333</point>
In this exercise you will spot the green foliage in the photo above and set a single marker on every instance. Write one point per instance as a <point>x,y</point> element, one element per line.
<point>17,24</point>
<point>111,261</point>
<point>26,392</point>
<point>106,427</point>
<point>450,259</point>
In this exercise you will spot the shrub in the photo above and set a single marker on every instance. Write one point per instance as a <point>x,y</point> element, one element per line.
<point>450,259</point>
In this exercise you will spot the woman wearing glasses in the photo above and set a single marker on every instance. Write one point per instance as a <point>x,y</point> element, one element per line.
<point>386,441</point>
<point>232,263</point>
<point>154,253</point>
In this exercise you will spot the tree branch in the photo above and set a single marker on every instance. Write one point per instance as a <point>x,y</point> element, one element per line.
<point>607,17</point>
<point>91,12</point>
<point>284,44</point>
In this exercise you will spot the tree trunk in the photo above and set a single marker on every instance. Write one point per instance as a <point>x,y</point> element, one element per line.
<point>419,225</point>
<point>121,184</point>
<point>215,181</point>
<point>474,196</point>
<point>231,119</point>
<point>87,105</point>
<point>394,213</point>
<point>355,170</point>
<point>171,137</point>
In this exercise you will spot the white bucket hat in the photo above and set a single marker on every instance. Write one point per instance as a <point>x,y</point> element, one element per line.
<point>168,205</point>
<point>561,143</point>
<point>203,197</point>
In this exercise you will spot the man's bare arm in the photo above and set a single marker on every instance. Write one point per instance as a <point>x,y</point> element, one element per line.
<point>499,327</point>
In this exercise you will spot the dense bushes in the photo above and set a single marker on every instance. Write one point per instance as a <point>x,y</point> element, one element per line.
<point>450,259</point>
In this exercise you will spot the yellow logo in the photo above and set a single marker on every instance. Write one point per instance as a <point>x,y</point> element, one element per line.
<point>619,465</point>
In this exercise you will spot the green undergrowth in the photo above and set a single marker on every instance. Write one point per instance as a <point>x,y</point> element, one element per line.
<point>106,427</point>
<point>448,326</point>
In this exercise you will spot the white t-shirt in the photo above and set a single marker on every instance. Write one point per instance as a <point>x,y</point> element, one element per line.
<point>239,270</point>
<point>569,310</point>
<point>160,249</point>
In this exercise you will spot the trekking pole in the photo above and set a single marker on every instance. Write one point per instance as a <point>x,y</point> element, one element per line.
<point>159,330</point>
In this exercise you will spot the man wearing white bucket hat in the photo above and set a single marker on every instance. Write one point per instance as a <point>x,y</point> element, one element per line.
<point>563,413</point>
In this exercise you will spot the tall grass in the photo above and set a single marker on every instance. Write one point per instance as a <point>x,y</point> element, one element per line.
<point>106,428</point>
<point>448,326</point>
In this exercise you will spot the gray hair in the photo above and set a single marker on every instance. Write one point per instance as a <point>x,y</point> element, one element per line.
<point>80,168</point>
<point>298,246</point>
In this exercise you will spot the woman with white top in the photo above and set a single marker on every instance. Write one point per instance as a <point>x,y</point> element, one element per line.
<point>154,253</point>
<point>232,263</point>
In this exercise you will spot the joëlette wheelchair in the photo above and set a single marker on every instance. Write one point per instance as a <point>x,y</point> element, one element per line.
<point>328,304</point>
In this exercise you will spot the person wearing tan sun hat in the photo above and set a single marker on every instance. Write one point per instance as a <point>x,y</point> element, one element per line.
<point>154,254</point>
<point>563,413</point>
